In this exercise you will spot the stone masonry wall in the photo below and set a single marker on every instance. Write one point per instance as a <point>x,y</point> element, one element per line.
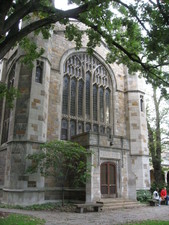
<point>137,132</point>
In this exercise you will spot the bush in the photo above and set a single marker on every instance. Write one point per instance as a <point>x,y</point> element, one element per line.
<point>160,186</point>
<point>143,195</point>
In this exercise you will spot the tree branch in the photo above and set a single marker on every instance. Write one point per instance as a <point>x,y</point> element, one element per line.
<point>10,41</point>
<point>165,16</point>
<point>134,14</point>
<point>4,8</point>
<point>133,57</point>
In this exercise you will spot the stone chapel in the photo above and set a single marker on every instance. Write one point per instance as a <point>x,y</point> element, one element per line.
<point>71,95</point>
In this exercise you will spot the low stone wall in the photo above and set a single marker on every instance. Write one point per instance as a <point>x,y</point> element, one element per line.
<point>69,194</point>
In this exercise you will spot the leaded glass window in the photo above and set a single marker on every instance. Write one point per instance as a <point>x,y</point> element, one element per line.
<point>101,104</point>
<point>65,95</point>
<point>95,128</point>
<point>39,71</point>
<point>108,132</point>
<point>80,127</point>
<point>86,101</point>
<point>107,106</point>
<point>95,102</point>
<point>80,98</point>
<point>73,97</point>
<point>102,129</point>
<point>88,127</point>
<point>141,103</point>
<point>72,128</point>
<point>64,133</point>
<point>88,95</point>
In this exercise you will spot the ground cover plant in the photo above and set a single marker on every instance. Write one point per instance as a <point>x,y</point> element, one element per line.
<point>11,219</point>
<point>68,207</point>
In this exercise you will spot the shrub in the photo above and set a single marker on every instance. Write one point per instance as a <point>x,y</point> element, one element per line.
<point>160,186</point>
<point>143,195</point>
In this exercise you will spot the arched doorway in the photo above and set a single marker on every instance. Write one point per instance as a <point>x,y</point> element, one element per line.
<point>108,180</point>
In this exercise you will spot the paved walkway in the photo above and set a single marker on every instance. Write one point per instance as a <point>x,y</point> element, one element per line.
<point>110,217</point>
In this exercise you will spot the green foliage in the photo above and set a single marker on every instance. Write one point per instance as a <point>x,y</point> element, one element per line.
<point>136,33</point>
<point>31,50</point>
<point>9,93</point>
<point>157,121</point>
<point>143,195</point>
<point>94,40</point>
<point>62,160</point>
<point>21,220</point>
<point>72,33</point>
<point>154,187</point>
<point>45,31</point>
<point>68,207</point>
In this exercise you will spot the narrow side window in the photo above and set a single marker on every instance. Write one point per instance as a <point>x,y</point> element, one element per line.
<point>141,103</point>
<point>39,71</point>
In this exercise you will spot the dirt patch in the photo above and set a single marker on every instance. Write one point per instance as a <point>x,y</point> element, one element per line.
<point>3,214</point>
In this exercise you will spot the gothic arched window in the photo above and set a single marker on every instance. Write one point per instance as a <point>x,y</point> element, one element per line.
<point>86,97</point>
<point>39,71</point>
<point>73,97</point>
<point>95,102</point>
<point>107,106</point>
<point>80,97</point>
<point>101,92</point>
<point>65,95</point>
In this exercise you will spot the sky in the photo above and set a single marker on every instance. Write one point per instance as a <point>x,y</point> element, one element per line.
<point>62,4</point>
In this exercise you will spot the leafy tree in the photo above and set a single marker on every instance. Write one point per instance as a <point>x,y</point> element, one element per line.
<point>64,160</point>
<point>158,132</point>
<point>136,33</point>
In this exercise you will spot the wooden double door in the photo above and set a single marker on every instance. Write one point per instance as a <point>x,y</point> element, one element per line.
<point>108,180</point>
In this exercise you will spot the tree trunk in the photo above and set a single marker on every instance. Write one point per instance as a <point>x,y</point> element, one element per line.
<point>155,141</point>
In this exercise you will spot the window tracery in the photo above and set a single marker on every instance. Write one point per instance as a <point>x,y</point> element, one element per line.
<point>86,97</point>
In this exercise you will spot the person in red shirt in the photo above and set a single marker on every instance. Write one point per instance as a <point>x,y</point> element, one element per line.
<point>164,195</point>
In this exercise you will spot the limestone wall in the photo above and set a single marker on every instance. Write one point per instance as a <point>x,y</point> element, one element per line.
<point>137,131</point>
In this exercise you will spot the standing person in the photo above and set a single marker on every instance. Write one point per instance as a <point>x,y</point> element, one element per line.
<point>164,195</point>
<point>156,196</point>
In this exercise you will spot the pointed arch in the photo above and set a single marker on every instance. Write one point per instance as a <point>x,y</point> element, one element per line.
<point>87,93</point>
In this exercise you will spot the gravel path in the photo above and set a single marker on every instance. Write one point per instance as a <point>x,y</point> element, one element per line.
<point>109,217</point>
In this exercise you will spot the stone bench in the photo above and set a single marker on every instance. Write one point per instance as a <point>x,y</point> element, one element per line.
<point>154,202</point>
<point>81,207</point>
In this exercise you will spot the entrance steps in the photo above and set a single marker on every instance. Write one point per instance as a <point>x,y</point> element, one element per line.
<point>119,203</point>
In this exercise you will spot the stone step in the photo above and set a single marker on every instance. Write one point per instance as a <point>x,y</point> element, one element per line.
<point>106,200</point>
<point>120,207</point>
<point>119,203</point>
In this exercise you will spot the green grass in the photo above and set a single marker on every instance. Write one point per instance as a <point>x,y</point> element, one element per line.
<point>20,220</point>
<point>150,222</point>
